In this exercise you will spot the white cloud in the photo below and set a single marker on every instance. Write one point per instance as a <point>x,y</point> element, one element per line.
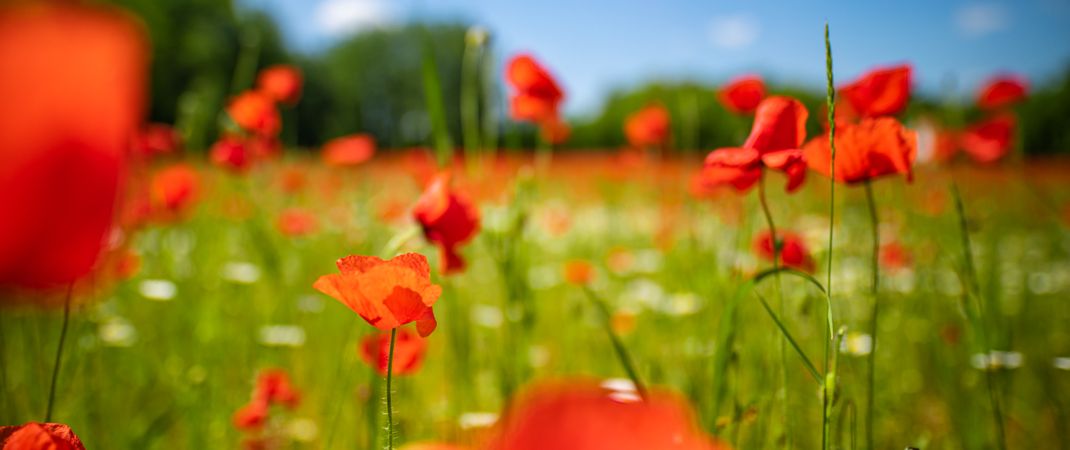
<point>339,17</point>
<point>734,32</point>
<point>979,19</point>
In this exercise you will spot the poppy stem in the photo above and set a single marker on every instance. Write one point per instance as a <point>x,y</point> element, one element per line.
<point>618,346</point>
<point>871,359</point>
<point>780,304</point>
<point>830,105</point>
<point>389,391</point>
<point>59,352</point>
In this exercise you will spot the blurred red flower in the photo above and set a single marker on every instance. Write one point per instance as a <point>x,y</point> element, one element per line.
<point>349,150</point>
<point>554,131</point>
<point>72,80</point>
<point>793,252</point>
<point>991,139</point>
<point>1002,91</point>
<point>251,416</point>
<point>448,220</point>
<point>280,82</point>
<point>39,436</point>
<point>296,222</point>
<point>742,95</point>
<point>866,150</point>
<point>779,124</point>
<point>893,256</point>
<point>579,272</point>
<point>231,153</point>
<point>409,350</point>
<point>880,92</point>
<point>273,386</point>
<point>582,415</point>
<point>157,139</point>
<point>648,127</point>
<point>387,294</point>
<point>527,76</point>
<point>174,189</point>
<point>530,108</point>
<point>255,112</point>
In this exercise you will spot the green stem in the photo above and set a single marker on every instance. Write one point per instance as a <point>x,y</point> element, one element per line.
<point>618,346</point>
<point>389,391</point>
<point>973,290</point>
<point>780,305</point>
<point>830,99</point>
<point>787,335</point>
<point>871,359</point>
<point>59,352</point>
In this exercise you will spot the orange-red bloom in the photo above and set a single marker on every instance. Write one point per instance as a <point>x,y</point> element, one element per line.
<point>39,436</point>
<point>157,139</point>
<point>991,139</point>
<point>880,92</point>
<point>255,112</point>
<point>72,80</point>
<point>793,252</point>
<point>409,350</point>
<point>231,153</point>
<point>175,188</point>
<point>448,219</point>
<point>742,95</point>
<point>280,82</point>
<point>779,124</point>
<point>387,294</point>
<point>525,74</point>
<point>1002,91</point>
<point>579,272</point>
<point>585,415</point>
<point>295,222</point>
<point>273,386</point>
<point>866,150</point>
<point>349,150</point>
<point>251,416</point>
<point>648,127</point>
<point>554,131</point>
<point>537,97</point>
<point>893,256</point>
<point>531,108</point>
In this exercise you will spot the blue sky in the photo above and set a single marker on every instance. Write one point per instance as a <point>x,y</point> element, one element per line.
<point>594,46</point>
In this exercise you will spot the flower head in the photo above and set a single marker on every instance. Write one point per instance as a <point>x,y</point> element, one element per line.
<point>1002,91</point>
<point>255,112</point>
<point>648,127</point>
<point>880,92</point>
<point>742,95</point>
<point>448,219</point>
<point>349,150</point>
<point>866,150</point>
<point>280,82</point>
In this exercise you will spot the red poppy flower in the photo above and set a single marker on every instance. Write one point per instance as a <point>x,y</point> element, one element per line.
<point>531,108</point>
<point>529,77</point>
<point>893,256</point>
<point>554,131</point>
<point>273,387</point>
<point>157,139</point>
<point>793,252</point>
<point>349,150</point>
<point>648,127</point>
<point>251,416</point>
<point>231,153</point>
<point>584,415</point>
<point>262,148</point>
<point>742,95</point>
<point>72,80</point>
<point>1002,91</point>
<point>738,167</point>
<point>991,139</point>
<point>296,222</point>
<point>448,219</point>
<point>880,92</point>
<point>869,149</point>
<point>255,112</point>
<point>579,272</point>
<point>779,124</point>
<point>409,350</point>
<point>175,188</point>
<point>387,294</point>
<point>280,82</point>
<point>39,436</point>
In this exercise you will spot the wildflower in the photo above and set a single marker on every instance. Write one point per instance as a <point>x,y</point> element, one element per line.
<point>793,252</point>
<point>448,220</point>
<point>39,436</point>
<point>579,272</point>
<point>255,112</point>
<point>231,153</point>
<point>894,256</point>
<point>387,294</point>
<point>409,350</point>
<point>296,222</point>
<point>349,150</point>
<point>880,92</point>
<point>281,83</point>
<point>989,140</point>
<point>742,95</point>
<point>157,139</point>
<point>866,150</point>
<point>648,127</point>
<point>1002,91</point>
<point>174,189</point>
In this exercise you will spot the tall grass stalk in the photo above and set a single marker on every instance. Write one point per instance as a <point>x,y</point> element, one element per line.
<point>470,69</point>
<point>618,346</point>
<point>59,352</point>
<point>830,103</point>
<point>781,350</point>
<point>871,359</point>
<point>436,111</point>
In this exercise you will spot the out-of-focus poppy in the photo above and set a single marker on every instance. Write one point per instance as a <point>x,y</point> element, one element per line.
<point>273,386</point>
<point>255,112</point>
<point>742,95</point>
<point>296,222</point>
<point>292,179</point>
<point>39,436</point>
<point>531,108</point>
<point>448,220</point>
<point>409,350</point>
<point>579,272</point>
<point>525,74</point>
<point>584,415</point>
<point>880,92</point>
<point>738,167</point>
<point>432,446</point>
<point>989,140</point>
<point>280,82</point>
<point>387,294</point>
<point>779,124</point>
<point>554,131</point>
<point>72,80</point>
<point>231,153</point>
<point>1002,91</point>
<point>349,150</point>
<point>251,416</point>
<point>263,148</point>
<point>174,189</point>
<point>648,127</point>
<point>893,256</point>
<point>793,252</point>
<point>157,139</point>
<point>866,150</point>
